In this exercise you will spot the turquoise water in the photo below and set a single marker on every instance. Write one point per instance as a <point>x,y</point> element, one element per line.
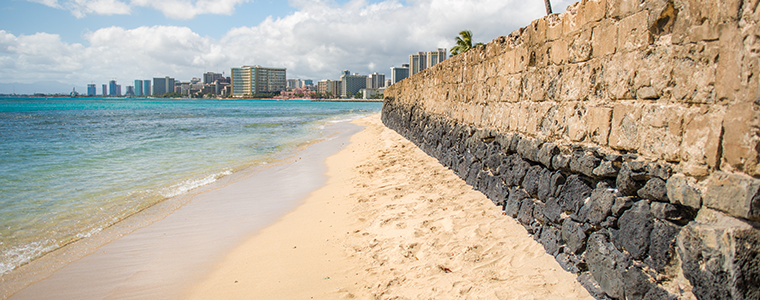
<point>71,167</point>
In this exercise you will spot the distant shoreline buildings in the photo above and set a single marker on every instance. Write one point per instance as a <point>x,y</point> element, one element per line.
<point>258,81</point>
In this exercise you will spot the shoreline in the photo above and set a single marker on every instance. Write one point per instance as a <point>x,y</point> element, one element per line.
<point>391,222</point>
<point>104,264</point>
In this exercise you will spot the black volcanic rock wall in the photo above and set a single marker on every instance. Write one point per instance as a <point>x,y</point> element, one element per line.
<point>605,216</point>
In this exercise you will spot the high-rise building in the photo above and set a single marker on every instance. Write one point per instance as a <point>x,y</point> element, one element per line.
<point>375,81</point>
<point>351,84</point>
<point>210,77</point>
<point>293,83</point>
<point>162,85</point>
<point>138,87</point>
<point>112,90</point>
<point>146,88</point>
<point>130,90</point>
<point>307,82</point>
<point>105,90</point>
<point>248,80</point>
<point>329,88</point>
<point>436,56</point>
<point>417,63</point>
<point>91,89</point>
<point>398,74</point>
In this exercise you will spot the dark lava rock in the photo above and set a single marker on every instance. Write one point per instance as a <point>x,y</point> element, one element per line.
<point>494,161</point>
<point>550,238</point>
<point>661,171</point>
<point>538,212</point>
<point>527,148</point>
<point>498,192</point>
<point>516,195</point>
<point>606,169</point>
<point>587,281</point>
<point>635,227</point>
<point>599,206</point>
<point>548,183</point>
<point>525,216</point>
<point>552,210</point>
<point>570,263</point>
<point>584,163</point>
<point>654,189</point>
<point>514,175</point>
<point>561,162</point>
<point>574,234</point>
<point>681,192</point>
<point>547,153</point>
<point>532,177</point>
<point>610,222</point>
<point>658,293</point>
<point>622,204</point>
<point>675,213</point>
<point>662,244</point>
<point>574,193</point>
<point>606,263</point>
<point>627,183</point>
<point>473,174</point>
<point>637,283</point>
<point>514,143</point>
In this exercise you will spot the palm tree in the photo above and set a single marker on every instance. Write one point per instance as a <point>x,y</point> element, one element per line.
<point>548,5</point>
<point>463,42</point>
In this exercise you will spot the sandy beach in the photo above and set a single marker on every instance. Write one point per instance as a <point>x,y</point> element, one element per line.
<point>391,223</point>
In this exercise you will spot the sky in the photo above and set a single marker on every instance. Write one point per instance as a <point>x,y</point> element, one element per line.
<point>77,42</point>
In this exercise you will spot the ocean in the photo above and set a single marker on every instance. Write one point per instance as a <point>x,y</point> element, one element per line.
<point>71,167</point>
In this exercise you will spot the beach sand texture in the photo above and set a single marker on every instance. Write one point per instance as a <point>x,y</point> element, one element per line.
<point>391,223</point>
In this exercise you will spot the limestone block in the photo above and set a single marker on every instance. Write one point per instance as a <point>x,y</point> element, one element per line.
<point>533,85</point>
<point>576,123</point>
<point>535,33</point>
<point>619,9</point>
<point>701,140</point>
<point>735,194</point>
<point>662,16</point>
<point>580,47</point>
<point>604,38</point>
<point>728,72</point>
<point>512,85</point>
<point>575,83</point>
<point>571,20</point>
<point>593,10</point>
<point>598,121</point>
<point>720,256</point>
<point>624,134</point>
<point>633,32</point>
<point>661,130</point>
<point>558,51</point>
<point>694,75</point>
<point>705,32</point>
<point>741,126</point>
<point>619,73</point>
<point>554,26</point>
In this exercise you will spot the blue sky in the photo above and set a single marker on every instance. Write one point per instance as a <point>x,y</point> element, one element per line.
<point>92,41</point>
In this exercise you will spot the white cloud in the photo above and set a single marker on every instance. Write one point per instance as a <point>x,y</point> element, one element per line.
<point>175,9</point>
<point>81,8</point>
<point>317,41</point>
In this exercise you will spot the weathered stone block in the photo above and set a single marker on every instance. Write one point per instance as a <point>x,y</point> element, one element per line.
<point>552,210</point>
<point>546,153</point>
<point>606,169</point>
<point>735,194</point>
<point>633,32</point>
<point>561,162</point>
<point>626,181</point>
<point>701,140</point>
<point>550,238</point>
<point>680,191</point>
<point>635,227</point>
<point>606,264</point>
<point>604,38</point>
<point>674,213</point>
<point>527,148</point>
<point>624,134</point>
<point>548,184</point>
<point>574,234</point>
<point>637,283</point>
<point>598,121</point>
<point>525,216</point>
<point>720,256</point>
<point>580,47</point>
<point>587,281</point>
<point>741,126</point>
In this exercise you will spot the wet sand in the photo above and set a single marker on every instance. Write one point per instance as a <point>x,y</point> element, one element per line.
<point>164,251</point>
<point>391,223</point>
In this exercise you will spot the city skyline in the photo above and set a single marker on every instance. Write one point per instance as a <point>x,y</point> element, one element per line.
<point>78,43</point>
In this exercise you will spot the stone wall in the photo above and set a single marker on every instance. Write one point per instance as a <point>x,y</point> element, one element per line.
<point>622,134</point>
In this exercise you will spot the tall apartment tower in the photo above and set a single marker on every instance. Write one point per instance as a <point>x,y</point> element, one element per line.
<point>351,84</point>
<point>210,77</point>
<point>399,73</point>
<point>146,88</point>
<point>91,89</point>
<point>105,90</point>
<point>248,80</point>
<point>112,90</point>
<point>417,62</point>
<point>138,87</point>
<point>162,85</point>
<point>437,56</point>
<point>375,81</point>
